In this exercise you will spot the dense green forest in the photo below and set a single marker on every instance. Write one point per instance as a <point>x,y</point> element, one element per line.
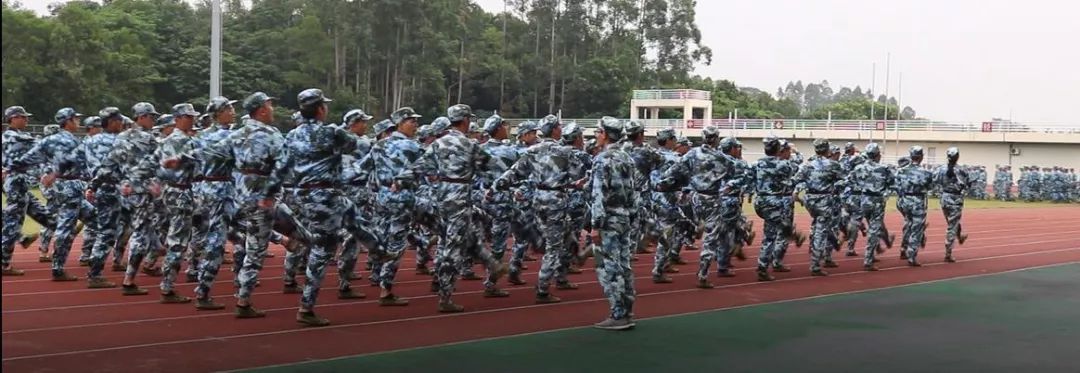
<point>537,57</point>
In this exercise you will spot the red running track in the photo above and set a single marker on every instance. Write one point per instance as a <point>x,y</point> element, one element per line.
<point>51,326</point>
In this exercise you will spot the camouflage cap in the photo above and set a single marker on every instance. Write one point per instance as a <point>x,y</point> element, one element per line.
<point>51,129</point>
<point>548,124</point>
<point>184,109</point>
<point>15,111</point>
<point>728,143</point>
<point>612,127</point>
<point>204,121</point>
<point>903,161</point>
<point>296,117</point>
<point>219,103</point>
<point>683,140</point>
<point>915,151</point>
<point>849,146</point>
<point>383,126</point>
<point>163,121</point>
<point>873,149</point>
<point>459,112</point>
<point>834,148</point>
<point>109,113</point>
<point>256,100</point>
<point>821,145</point>
<point>525,127</point>
<point>402,114</point>
<point>127,120</point>
<point>91,121</point>
<point>784,144</point>
<point>952,152</point>
<point>572,131</point>
<point>355,115</point>
<point>710,131</point>
<point>492,124</point>
<point>771,143</point>
<point>423,131</point>
<point>474,127</point>
<point>633,127</point>
<point>144,108</point>
<point>63,115</point>
<point>310,97</point>
<point>440,125</point>
<point>665,134</point>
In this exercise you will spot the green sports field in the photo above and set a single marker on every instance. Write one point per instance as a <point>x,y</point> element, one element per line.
<point>1016,321</point>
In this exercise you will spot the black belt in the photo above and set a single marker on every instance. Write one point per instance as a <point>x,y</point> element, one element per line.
<point>550,189</point>
<point>818,192</point>
<point>455,180</point>
<point>66,177</point>
<point>868,194</point>
<point>774,194</point>
<point>707,192</point>
<point>318,185</point>
<point>215,178</point>
<point>179,186</point>
<point>254,172</point>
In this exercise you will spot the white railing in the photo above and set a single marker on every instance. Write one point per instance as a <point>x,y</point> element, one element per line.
<point>838,125</point>
<point>672,94</point>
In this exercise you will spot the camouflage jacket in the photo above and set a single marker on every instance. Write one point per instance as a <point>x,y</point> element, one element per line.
<point>819,176</point>
<point>315,152</point>
<point>871,178</point>
<point>955,182</point>
<point>17,143</point>
<point>913,180</point>
<point>258,153</point>
<point>773,176</point>
<point>545,165</point>
<point>392,159</point>
<point>63,151</point>
<point>704,168</point>
<point>183,147</point>
<point>217,160</point>
<point>136,150</point>
<point>612,188</point>
<point>102,168</point>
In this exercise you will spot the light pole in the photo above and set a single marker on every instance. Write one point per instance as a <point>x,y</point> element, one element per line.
<point>215,48</point>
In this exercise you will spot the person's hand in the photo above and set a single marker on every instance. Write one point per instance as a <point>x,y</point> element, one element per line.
<point>89,194</point>
<point>170,163</point>
<point>266,203</point>
<point>48,179</point>
<point>155,189</point>
<point>596,237</point>
<point>126,190</point>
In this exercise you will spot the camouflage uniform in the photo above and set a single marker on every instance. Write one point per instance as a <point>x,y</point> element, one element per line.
<point>546,166</point>
<point>665,205</point>
<point>525,223</point>
<point>17,183</point>
<point>214,195</point>
<point>614,201</point>
<point>177,196</point>
<point>501,205</point>
<point>820,179</point>
<point>708,172</point>
<point>355,183</point>
<point>393,157</point>
<point>871,181</point>
<point>852,214</point>
<point>457,160</point>
<point>315,151</point>
<point>912,183</point>
<point>578,205</point>
<point>136,151</point>
<point>646,160</point>
<point>259,154</point>
<point>1003,183</point>
<point>952,181</point>
<point>773,204</point>
<point>106,174</point>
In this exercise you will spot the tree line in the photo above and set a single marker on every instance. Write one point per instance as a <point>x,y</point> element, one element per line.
<point>583,57</point>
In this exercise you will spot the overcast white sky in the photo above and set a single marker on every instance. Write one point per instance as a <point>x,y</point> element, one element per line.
<point>961,60</point>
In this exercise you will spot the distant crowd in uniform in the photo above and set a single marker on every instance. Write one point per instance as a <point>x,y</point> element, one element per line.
<point>176,188</point>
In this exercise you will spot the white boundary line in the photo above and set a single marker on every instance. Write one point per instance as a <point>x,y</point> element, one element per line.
<point>478,312</point>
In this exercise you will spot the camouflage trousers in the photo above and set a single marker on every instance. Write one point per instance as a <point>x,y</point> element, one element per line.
<point>47,232</point>
<point>71,207</point>
<point>215,206</point>
<point>461,241</point>
<point>257,225</point>
<point>644,224</point>
<point>873,209</point>
<point>822,207</point>
<point>501,216</point>
<point>144,234</point>
<point>579,215</point>
<point>524,228</point>
<point>107,208</point>
<point>853,210</point>
<point>180,204</point>
<point>775,211</point>
<point>952,205</point>
<point>913,208</point>
<point>124,231</point>
<point>395,213</point>
<point>720,216</point>
<point>358,231</point>
<point>20,203</point>
<point>551,212</point>
<point>321,212</point>
<point>1002,190</point>
<point>613,269</point>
